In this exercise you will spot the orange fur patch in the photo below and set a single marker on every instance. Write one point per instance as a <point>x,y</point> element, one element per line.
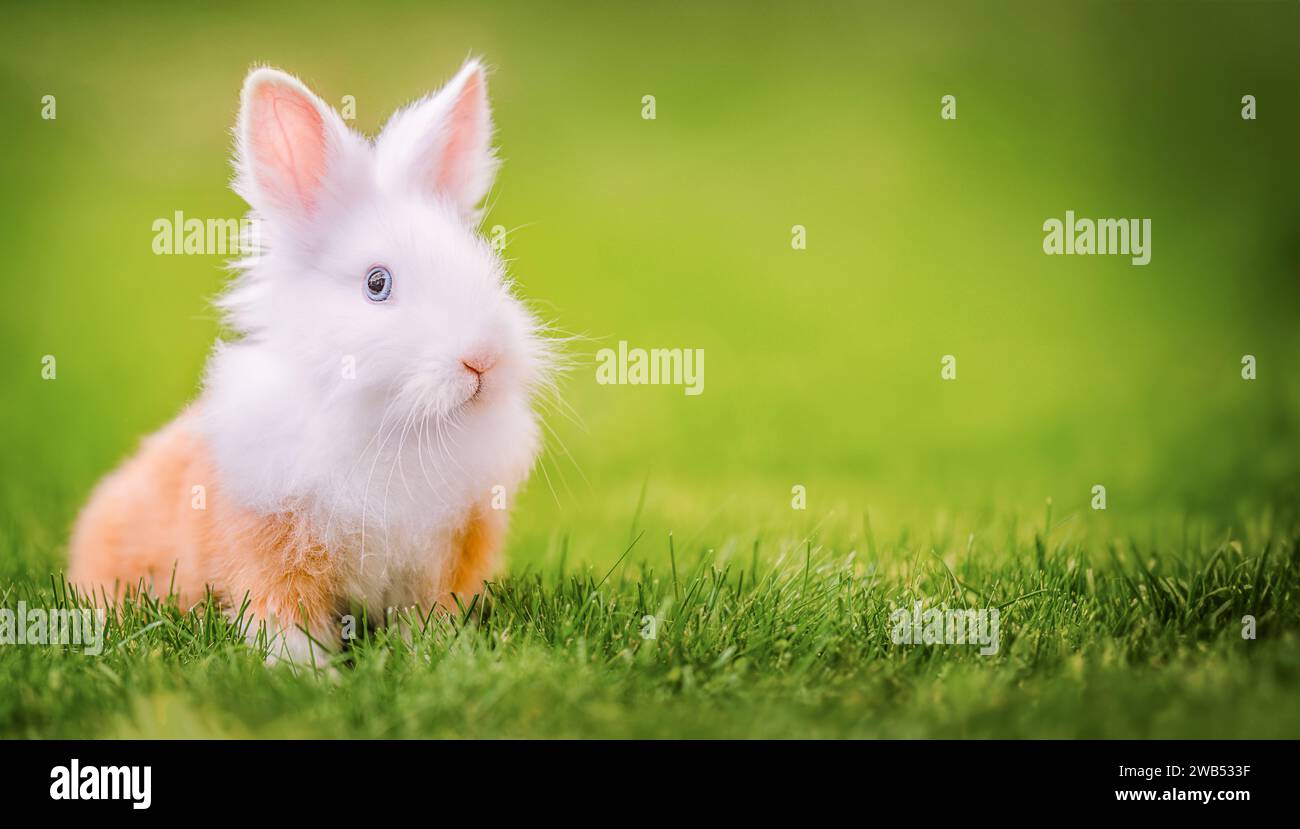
<point>145,526</point>
<point>477,553</point>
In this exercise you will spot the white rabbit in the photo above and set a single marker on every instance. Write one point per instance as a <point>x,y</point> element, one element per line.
<point>346,448</point>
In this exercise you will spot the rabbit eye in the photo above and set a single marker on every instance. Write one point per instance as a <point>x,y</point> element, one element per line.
<point>379,283</point>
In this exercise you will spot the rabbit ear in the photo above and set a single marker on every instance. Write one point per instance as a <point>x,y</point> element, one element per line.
<point>443,143</point>
<point>289,144</point>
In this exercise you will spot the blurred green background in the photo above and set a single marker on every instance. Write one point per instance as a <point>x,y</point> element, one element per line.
<point>822,365</point>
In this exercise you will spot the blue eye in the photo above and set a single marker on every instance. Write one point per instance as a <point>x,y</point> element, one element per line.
<point>379,283</point>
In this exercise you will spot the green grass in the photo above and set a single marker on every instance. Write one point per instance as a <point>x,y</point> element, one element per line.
<point>764,639</point>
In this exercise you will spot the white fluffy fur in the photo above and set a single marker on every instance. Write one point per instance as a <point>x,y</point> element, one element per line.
<point>383,463</point>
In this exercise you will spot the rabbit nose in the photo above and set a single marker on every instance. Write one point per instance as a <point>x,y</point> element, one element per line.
<point>478,363</point>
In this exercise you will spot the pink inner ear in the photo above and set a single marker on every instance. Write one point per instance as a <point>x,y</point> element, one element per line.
<point>287,135</point>
<point>463,128</point>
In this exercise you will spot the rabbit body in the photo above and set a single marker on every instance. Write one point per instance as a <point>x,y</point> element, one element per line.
<point>358,442</point>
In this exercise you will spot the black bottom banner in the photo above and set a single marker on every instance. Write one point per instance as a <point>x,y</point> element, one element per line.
<point>334,778</point>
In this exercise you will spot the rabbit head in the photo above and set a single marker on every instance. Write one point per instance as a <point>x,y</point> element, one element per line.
<point>373,302</point>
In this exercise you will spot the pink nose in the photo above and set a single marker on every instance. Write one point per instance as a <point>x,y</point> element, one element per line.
<point>478,363</point>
